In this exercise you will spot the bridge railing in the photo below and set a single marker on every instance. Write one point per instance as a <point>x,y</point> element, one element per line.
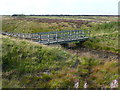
<point>52,37</point>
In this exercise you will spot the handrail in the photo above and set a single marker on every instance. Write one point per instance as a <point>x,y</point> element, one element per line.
<point>53,37</point>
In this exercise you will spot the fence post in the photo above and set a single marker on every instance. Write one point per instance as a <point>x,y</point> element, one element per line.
<point>69,35</point>
<point>39,38</point>
<point>64,36</point>
<point>31,37</point>
<point>48,37</point>
<point>75,35</point>
<point>56,36</point>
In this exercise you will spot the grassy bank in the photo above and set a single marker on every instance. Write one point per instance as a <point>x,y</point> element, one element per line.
<point>104,37</point>
<point>28,64</point>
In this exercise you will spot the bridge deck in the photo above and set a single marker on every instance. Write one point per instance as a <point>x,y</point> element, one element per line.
<point>53,37</point>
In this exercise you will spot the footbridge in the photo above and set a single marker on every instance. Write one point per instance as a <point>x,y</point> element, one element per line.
<point>54,37</point>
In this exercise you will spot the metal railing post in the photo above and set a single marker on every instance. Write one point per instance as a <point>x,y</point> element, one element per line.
<point>69,35</point>
<point>64,35</point>
<point>31,37</point>
<point>56,36</point>
<point>39,38</point>
<point>48,38</point>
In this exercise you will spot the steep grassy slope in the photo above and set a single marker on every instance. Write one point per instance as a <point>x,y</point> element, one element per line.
<point>23,59</point>
<point>28,64</point>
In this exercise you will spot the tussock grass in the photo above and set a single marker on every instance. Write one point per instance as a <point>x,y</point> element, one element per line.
<point>104,37</point>
<point>28,64</point>
<point>21,57</point>
<point>26,26</point>
<point>90,18</point>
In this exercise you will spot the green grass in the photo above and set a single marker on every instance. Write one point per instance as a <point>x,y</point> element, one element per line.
<point>22,59</point>
<point>22,53</point>
<point>24,26</point>
<point>89,18</point>
<point>104,36</point>
<point>25,64</point>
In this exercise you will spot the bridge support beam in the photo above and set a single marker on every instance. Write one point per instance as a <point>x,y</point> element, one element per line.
<point>65,45</point>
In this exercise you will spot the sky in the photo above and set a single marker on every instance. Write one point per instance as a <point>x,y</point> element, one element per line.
<point>69,7</point>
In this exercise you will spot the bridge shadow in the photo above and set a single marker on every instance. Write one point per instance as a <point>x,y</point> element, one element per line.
<point>83,51</point>
<point>73,46</point>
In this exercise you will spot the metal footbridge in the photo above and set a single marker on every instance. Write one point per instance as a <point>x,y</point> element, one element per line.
<point>55,37</point>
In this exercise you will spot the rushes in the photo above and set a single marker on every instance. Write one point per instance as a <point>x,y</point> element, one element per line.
<point>104,37</point>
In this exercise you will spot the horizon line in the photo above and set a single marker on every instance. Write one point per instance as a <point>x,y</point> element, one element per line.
<point>62,14</point>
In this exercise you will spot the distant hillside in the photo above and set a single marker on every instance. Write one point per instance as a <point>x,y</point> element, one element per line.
<point>60,15</point>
